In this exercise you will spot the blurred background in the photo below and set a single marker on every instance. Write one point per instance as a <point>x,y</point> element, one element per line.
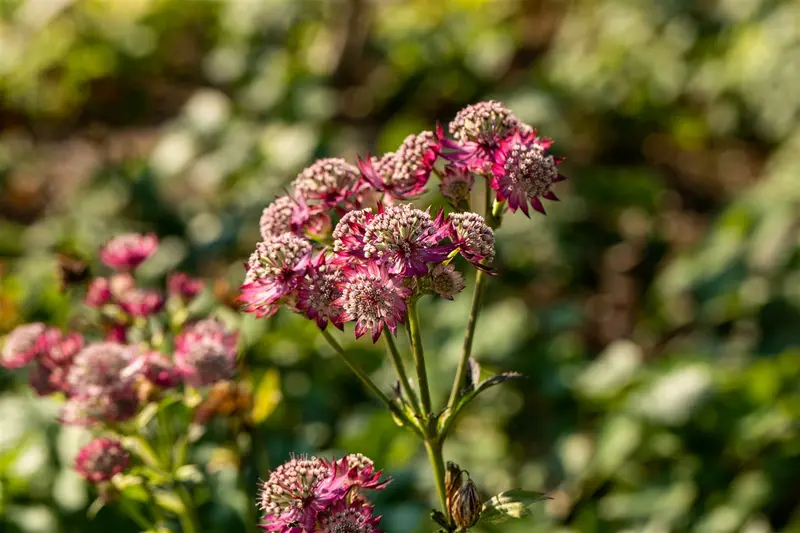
<point>655,310</point>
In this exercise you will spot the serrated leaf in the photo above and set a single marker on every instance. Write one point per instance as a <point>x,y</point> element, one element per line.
<point>267,396</point>
<point>509,505</point>
<point>170,502</point>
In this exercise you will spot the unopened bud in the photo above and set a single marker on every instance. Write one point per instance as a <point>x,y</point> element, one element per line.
<point>465,505</point>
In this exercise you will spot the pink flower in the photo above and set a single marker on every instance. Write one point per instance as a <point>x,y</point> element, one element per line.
<point>292,497</point>
<point>523,172</point>
<point>46,379</point>
<point>374,299</point>
<point>446,281</point>
<point>406,239</point>
<point>348,236</point>
<point>474,239</point>
<point>98,293</point>
<point>274,271</point>
<point>127,251</point>
<point>102,459</point>
<point>205,353</point>
<point>354,473</point>
<point>120,283</point>
<point>344,517</point>
<point>403,174</point>
<point>141,302</point>
<point>478,130</point>
<point>284,215</point>
<point>87,410</point>
<point>156,368</point>
<point>184,287</point>
<point>456,184</point>
<point>23,345</point>
<point>327,184</point>
<point>99,369</point>
<point>318,291</point>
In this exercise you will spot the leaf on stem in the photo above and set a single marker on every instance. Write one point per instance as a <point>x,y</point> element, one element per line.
<point>169,501</point>
<point>510,505</point>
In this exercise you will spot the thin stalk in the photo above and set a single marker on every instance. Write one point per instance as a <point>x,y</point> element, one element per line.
<point>419,357</point>
<point>136,515</point>
<point>188,520</point>
<point>401,371</point>
<point>472,321</point>
<point>436,458</point>
<point>365,379</point>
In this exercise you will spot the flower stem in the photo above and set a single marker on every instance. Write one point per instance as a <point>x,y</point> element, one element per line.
<point>365,379</point>
<point>135,515</point>
<point>401,371</point>
<point>419,357</point>
<point>189,518</point>
<point>436,458</point>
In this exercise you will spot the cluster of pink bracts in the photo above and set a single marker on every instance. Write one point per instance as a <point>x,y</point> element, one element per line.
<point>381,251</point>
<point>102,380</point>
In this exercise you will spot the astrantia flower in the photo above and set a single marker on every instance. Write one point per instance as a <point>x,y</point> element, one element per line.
<point>348,236</point>
<point>129,250</point>
<point>446,281</point>
<point>478,130</point>
<point>120,283</point>
<point>456,184</point>
<point>141,302</point>
<point>98,293</point>
<point>102,459</point>
<point>475,240</point>
<point>22,345</point>
<point>292,497</point>
<point>374,299</point>
<point>319,290</point>
<point>284,215</point>
<point>205,353</point>
<point>354,517</point>
<point>98,369</point>
<point>274,270</point>
<point>61,349</point>
<point>156,368</point>
<point>184,287</point>
<point>524,173</point>
<point>354,472</point>
<point>47,379</point>
<point>327,183</point>
<point>86,410</point>
<point>406,239</point>
<point>403,174</point>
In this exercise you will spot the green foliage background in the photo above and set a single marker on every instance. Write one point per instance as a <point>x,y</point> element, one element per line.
<point>655,310</point>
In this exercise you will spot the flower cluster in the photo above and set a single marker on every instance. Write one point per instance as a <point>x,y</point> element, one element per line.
<point>341,246</point>
<point>312,494</point>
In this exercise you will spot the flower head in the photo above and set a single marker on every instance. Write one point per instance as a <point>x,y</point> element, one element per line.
<point>327,183</point>
<point>101,459</point>
<point>156,368</point>
<point>293,495</point>
<point>348,236</point>
<point>405,239</point>
<point>86,410</point>
<point>22,345</point>
<point>354,472</point>
<point>524,173</point>
<point>403,174</point>
<point>474,239</point>
<point>141,302</point>
<point>99,369</point>
<point>374,299</point>
<point>478,130</point>
<point>354,517</point>
<point>98,293</point>
<point>47,379</point>
<point>446,281</point>
<point>284,215</point>
<point>274,270</point>
<point>318,291</point>
<point>456,184</point>
<point>205,353</point>
<point>184,287</point>
<point>129,250</point>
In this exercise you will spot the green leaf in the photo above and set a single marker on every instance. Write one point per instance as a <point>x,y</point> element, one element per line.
<point>169,501</point>
<point>146,415</point>
<point>510,505</point>
<point>267,396</point>
<point>189,474</point>
<point>93,509</point>
<point>140,447</point>
<point>131,487</point>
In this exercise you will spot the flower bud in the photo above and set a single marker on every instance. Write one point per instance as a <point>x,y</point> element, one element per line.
<point>465,505</point>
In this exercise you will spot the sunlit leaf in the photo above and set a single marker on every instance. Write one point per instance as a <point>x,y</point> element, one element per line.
<point>267,396</point>
<point>510,505</point>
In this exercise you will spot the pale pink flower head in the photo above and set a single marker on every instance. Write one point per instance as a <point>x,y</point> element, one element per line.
<point>127,251</point>
<point>99,369</point>
<point>141,302</point>
<point>353,517</point>
<point>120,283</point>
<point>374,299</point>
<point>403,174</point>
<point>326,184</point>
<point>205,353</point>
<point>318,291</point>
<point>46,379</point>
<point>348,236</point>
<point>182,286</point>
<point>89,410</point>
<point>446,281</point>
<point>23,345</point>
<point>98,293</point>
<point>156,368</point>
<point>292,497</point>
<point>456,184</point>
<point>478,130</point>
<point>274,271</point>
<point>284,215</point>
<point>406,240</point>
<point>353,474</point>
<point>524,172</point>
<point>60,349</point>
<point>473,237</point>
<point>102,459</point>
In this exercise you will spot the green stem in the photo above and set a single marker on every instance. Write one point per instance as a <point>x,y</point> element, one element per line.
<point>472,321</point>
<point>436,458</point>
<point>135,515</point>
<point>365,379</point>
<point>419,357</point>
<point>188,520</point>
<point>401,371</point>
